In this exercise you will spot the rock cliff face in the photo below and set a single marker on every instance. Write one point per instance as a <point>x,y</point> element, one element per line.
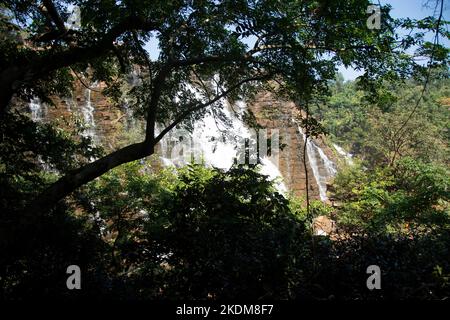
<point>101,121</point>
<point>275,114</point>
<point>107,125</point>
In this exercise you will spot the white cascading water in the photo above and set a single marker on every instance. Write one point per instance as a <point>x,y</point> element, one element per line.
<point>347,156</point>
<point>164,144</point>
<point>322,167</point>
<point>215,144</point>
<point>37,110</point>
<point>88,115</point>
<point>38,113</point>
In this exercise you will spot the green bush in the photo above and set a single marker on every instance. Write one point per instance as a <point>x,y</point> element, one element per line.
<point>408,198</point>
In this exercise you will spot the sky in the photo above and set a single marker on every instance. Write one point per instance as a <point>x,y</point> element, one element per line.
<point>413,9</point>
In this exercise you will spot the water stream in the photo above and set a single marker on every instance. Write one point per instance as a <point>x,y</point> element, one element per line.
<point>38,111</point>
<point>87,111</point>
<point>347,156</point>
<point>217,144</point>
<point>322,167</point>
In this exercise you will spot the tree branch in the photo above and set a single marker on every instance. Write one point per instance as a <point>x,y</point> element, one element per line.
<point>164,73</point>
<point>189,111</point>
<point>54,15</point>
<point>427,79</point>
<point>13,77</point>
<point>71,181</point>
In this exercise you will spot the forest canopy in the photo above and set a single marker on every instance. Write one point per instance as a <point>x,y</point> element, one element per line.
<point>138,230</point>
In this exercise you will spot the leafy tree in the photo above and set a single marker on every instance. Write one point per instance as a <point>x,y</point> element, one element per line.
<point>227,235</point>
<point>410,198</point>
<point>202,43</point>
<point>201,233</point>
<point>198,233</point>
<point>27,148</point>
<point>37,249</point>
<point>370,130</point>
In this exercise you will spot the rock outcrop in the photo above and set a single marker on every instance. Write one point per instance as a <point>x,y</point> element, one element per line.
<point>275,114</point>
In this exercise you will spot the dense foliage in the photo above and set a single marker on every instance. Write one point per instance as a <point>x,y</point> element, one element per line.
<point>375,131</point>
<point>412,197</point>
<point>138,231</point>
<point>202,233</point>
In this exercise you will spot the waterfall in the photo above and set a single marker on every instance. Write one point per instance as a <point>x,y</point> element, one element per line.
<point>214,143</point>
<point>165,144</point>
<point>322,167</point>
<point>274,174</point>
<point>88,115</point>
<point>347,156</point>
<point>69,101</point>
<point>38,111</point>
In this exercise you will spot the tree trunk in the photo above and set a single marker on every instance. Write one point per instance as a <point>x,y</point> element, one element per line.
<point>70,182</point>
